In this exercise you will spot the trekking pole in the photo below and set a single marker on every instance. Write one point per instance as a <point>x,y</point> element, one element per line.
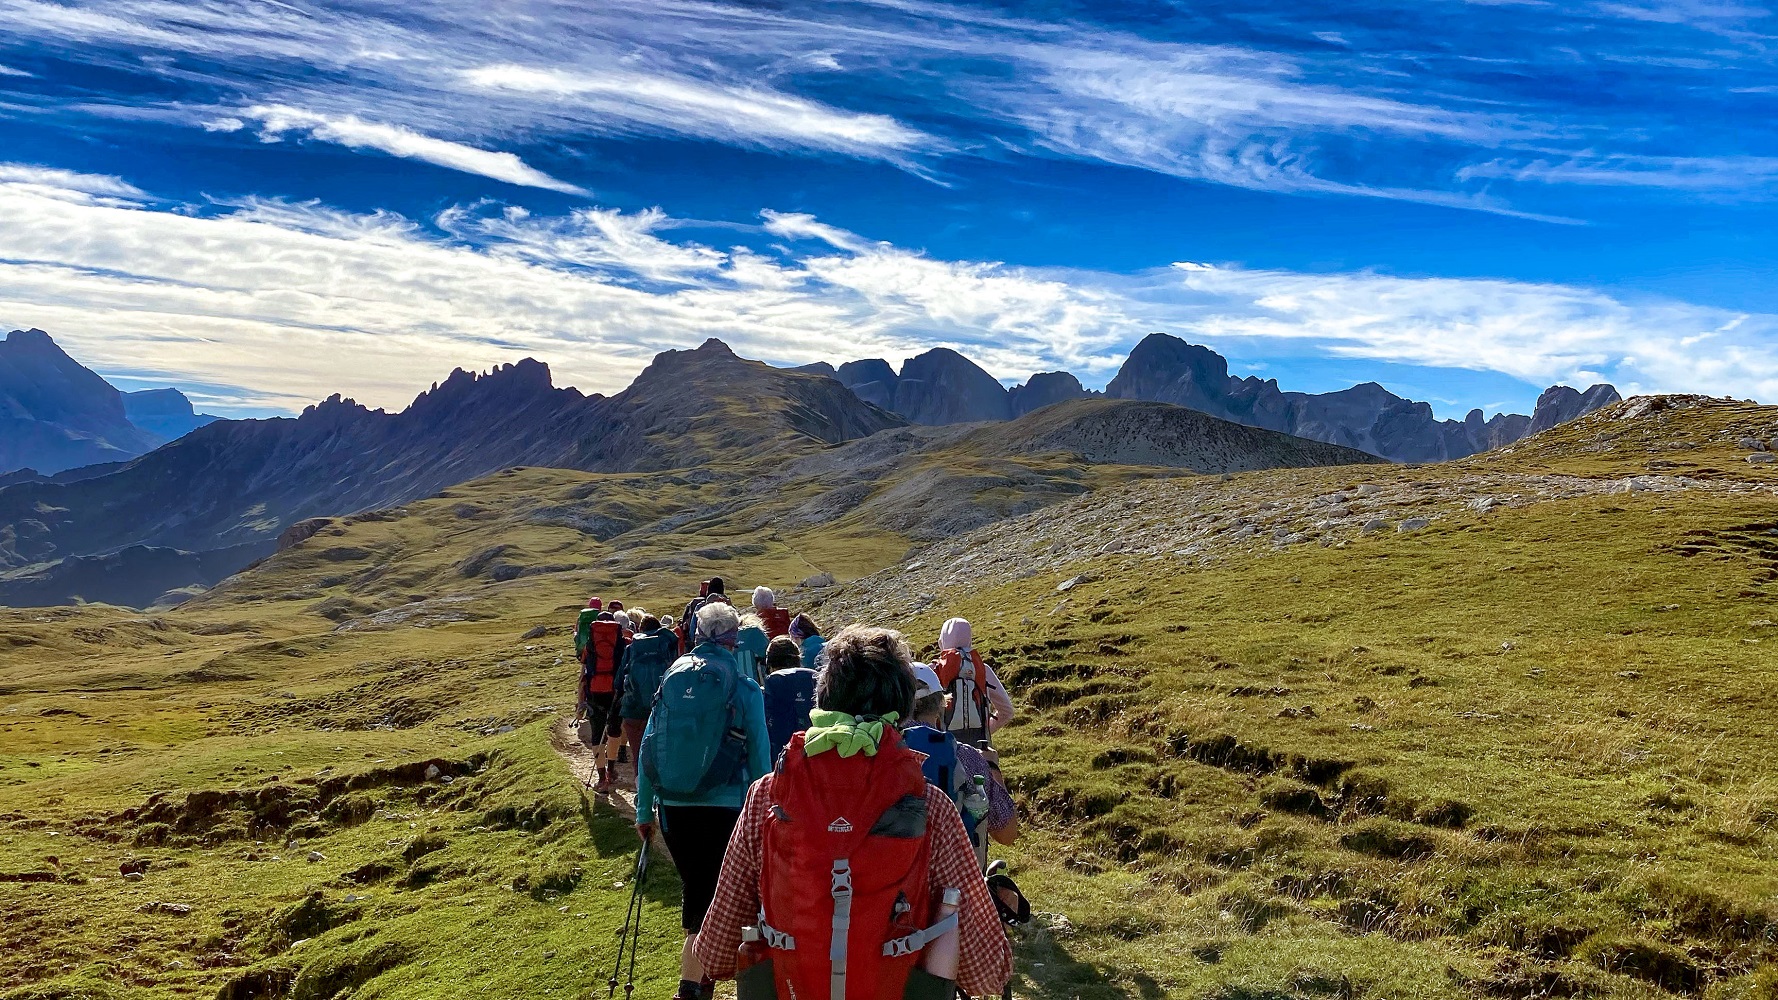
<point>627,933</point>
<point>636,930</point>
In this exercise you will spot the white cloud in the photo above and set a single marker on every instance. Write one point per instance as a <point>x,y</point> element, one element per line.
<point>6,70</point>
<point>353,132</point>
<point>1727,174</point>
<point>293,302</point>
<point>744,115</point>
<point>68,185</point>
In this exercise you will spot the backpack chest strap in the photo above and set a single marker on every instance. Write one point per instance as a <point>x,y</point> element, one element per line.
<point>842,925</point>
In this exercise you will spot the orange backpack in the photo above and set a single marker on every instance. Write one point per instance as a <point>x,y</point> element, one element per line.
<point>968,688</point>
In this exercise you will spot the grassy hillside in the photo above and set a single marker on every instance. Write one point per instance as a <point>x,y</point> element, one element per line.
<point>1501,728</point>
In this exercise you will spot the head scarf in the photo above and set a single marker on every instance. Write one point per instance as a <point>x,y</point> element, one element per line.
<point>954,635</point>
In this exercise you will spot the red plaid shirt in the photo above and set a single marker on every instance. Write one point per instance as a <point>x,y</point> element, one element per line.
<point>986,962</point>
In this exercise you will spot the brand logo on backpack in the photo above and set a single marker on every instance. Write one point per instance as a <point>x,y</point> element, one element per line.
<point>841,825</point>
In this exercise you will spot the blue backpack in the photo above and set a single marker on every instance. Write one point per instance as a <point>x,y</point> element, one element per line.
<point>790,697</point>
<point>941,767</point>
<point>645,663</point>
<point>696,743</point>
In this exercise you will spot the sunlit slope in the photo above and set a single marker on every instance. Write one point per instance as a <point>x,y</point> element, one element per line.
<point>1479,729</point>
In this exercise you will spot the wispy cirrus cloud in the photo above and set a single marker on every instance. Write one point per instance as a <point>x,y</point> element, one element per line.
<point>1383,102</point>
<point>276,120</point>
<point>295,301</point>
<point>1748,175</point>
<point>680,105</point>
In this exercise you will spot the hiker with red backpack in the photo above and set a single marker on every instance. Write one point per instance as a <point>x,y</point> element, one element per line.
<point>704,744</point>
<point>601,654</point>
<point>774,619</point>
<point>905,911</point>
<point>979,702</point>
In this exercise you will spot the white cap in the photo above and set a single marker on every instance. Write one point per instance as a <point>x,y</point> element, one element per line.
<point>925,681</point>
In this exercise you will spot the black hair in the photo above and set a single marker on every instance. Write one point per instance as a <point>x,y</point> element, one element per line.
<point>716,585</point>
<point>650,623</point>
<point>868,673</point>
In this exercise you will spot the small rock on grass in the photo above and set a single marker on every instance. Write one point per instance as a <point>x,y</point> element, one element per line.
<point>315,856</point>
<point>1762,458</point>
<point>536,633</point>
<point>1413,524</point>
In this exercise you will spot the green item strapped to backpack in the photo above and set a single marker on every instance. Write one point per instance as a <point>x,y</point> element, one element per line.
<point>844,733</point>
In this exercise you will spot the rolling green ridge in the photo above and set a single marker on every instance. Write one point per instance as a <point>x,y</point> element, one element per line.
<point>1265,749</point>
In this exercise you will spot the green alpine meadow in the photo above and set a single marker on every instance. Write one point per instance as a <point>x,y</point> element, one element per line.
<point>1291,721</point>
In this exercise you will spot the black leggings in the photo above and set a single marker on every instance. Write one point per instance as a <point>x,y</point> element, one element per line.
<point>698,837</point>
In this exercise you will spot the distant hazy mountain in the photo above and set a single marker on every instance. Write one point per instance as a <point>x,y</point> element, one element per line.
<point>56,414</point>
<point>942,387</point>
<point>165,413</point>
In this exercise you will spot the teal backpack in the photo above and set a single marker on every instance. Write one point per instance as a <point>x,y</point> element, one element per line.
<point>696,743</point>
<point>646,661</point>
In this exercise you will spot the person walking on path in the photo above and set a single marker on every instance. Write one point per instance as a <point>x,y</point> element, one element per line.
<point>646,661</point>
<point>600,659</point>
<point>958,768</point>
<point>704,744</point>
<point>979,702</point>
<point>808,639</point>
<point>775,619</point>
<point>849,810</point>
<point>789,691</point>
<point>750,647</point>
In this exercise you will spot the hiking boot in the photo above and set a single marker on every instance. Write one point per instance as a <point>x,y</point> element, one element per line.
<point>604,784</point>
<point>689,990</point>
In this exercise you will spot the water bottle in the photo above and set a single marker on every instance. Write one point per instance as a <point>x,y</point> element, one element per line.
<point>940,956</point>
<point>975,799</point>
<point>753,950</point>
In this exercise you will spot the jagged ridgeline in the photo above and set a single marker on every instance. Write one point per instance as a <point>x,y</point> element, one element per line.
<point>187,515</point>
<point>1501,727</point>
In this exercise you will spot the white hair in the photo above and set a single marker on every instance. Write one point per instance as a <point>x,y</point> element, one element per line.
<point>717,619</point>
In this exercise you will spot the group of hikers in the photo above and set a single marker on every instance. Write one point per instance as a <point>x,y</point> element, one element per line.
<point>827,801</point>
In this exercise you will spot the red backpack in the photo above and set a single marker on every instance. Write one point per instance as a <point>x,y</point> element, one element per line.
<point>857,827</point>
<point>776,622</point>
<point>603,645</point>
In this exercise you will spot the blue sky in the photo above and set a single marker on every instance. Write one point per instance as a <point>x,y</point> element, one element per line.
<point>267,202</point>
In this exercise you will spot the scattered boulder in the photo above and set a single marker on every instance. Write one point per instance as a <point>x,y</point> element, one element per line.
<point>1413,524</point>
<point>536,633</point>
<point>170,909</point>
<point>1073,582</point>
<point>1762,458</point>
<point>1374,525</point>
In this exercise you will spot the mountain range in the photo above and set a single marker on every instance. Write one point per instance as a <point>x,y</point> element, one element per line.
<point>943,387</point>
<point>198,509</point>
<point>55,414</point>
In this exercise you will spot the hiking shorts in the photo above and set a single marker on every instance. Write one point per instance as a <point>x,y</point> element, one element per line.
<point>698,838</point>
<point>601,711</point>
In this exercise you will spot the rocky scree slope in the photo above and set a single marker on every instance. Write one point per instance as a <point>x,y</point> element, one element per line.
<point>1727,449</point>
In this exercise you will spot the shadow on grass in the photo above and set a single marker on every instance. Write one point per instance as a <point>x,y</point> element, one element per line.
<point>1044,968</point>
<point>613,833</point>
